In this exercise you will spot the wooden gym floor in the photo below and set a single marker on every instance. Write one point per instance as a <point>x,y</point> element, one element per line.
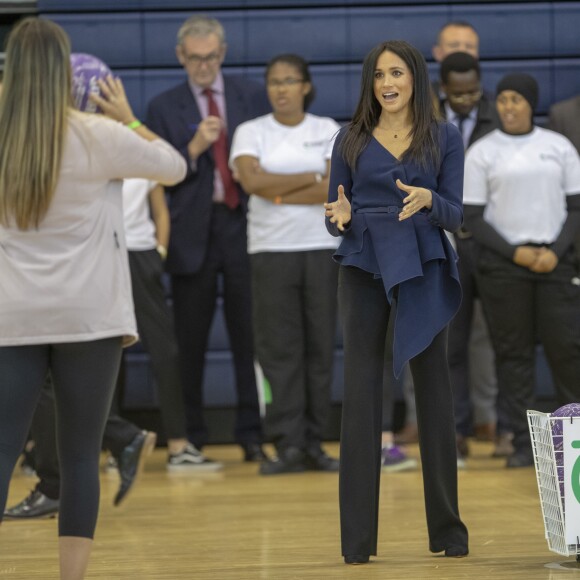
<point>236,525</point>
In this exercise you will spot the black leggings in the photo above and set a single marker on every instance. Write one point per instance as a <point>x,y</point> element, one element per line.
<point>84,376</point>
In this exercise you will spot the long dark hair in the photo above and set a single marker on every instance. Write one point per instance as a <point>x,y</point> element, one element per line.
<point>301,66</point>
<point>424,147</point>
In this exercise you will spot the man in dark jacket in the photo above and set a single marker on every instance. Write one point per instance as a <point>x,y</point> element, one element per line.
<point>470,353</point>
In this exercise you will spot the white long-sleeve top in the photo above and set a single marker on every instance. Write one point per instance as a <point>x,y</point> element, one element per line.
<point>68,280</point>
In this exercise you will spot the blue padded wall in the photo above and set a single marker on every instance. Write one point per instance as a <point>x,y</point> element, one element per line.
<point>417,24</point>
<point>116,38</point>
<point>538,37</point>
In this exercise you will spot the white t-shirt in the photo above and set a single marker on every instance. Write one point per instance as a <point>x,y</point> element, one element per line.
<point>139,227</point>
<point>282,149</point>
<point>68,280</point>
<point>523,181</point>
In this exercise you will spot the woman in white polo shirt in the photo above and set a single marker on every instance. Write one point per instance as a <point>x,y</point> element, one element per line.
<point>282,160</point>
<point>65,292</point>
<point>522,203</point>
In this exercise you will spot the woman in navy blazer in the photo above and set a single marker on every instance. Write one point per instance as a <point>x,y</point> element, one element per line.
<point>396,183</point>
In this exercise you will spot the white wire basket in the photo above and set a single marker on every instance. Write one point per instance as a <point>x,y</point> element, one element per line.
<point>550,481</point>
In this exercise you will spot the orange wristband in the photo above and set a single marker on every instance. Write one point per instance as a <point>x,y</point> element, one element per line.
<point>278,200</point>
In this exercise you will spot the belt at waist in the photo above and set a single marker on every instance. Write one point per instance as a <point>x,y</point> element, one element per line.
<point>384,209</point>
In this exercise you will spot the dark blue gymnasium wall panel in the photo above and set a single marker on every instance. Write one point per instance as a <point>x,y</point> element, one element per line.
<point>192,4</point>
<point>566,79</point>
<point>115,38</point>
<point>567,29</point>
<point>317,35</point>
<point>510,30</point>
<point>87,5</point>
<point>160,34</point>
<point>418,25</point>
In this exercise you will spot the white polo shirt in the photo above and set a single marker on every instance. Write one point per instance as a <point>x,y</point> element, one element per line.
<point>523,181</point>
<point>139,226</point>
<point>305,147</point>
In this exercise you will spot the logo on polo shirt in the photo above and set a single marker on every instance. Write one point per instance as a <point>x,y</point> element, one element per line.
<point>308,144</point>
<point>549,157</point>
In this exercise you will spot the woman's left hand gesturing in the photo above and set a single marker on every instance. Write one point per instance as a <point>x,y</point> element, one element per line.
<point>417,199</point>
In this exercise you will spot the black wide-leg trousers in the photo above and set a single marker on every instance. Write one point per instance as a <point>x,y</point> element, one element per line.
<point>365,315</point>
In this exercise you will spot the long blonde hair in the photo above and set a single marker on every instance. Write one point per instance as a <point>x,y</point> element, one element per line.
<point>34,107</point>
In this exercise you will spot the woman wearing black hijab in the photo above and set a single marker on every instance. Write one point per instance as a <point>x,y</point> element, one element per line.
<point>522,203</point>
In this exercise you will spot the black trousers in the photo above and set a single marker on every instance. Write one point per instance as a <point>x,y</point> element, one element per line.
<point>117,435</point>
<point>84,377</point>
<point>194,303</point>
<point>459,338</point>
<point>365,313</point>
<point>294,301</point>
<point>522,307</point>
<point>155,325</point>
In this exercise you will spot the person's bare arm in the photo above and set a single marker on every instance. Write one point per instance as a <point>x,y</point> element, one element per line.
<point>255,181</point>
<point>160,214</point>
<point>316,193</point>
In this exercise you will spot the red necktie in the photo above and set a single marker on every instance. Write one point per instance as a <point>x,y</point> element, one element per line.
<point>220,155</point>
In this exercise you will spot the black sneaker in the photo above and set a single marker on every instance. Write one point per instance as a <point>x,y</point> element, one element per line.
<point>193,460</point>
<point>35,506</point>
<point>131,462</point>
<point>317,460</point>
<point>289,460</point>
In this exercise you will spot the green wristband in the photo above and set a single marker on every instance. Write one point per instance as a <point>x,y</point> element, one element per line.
<point>134,124</point>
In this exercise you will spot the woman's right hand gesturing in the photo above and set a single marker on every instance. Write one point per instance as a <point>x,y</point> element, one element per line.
<point>339,211</point>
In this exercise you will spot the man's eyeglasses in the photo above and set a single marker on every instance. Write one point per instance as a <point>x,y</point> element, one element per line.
<point>465,97</point>
<point>198,59</point>
<point>289,82</point>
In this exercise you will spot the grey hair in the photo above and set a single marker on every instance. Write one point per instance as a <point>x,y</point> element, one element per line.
<point>201,26</point>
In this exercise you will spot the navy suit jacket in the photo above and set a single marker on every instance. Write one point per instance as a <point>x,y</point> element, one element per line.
<point>174,116</point>
<point>487,119</point>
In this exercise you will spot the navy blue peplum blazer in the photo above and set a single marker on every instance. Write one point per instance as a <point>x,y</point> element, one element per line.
<point>414,254</point>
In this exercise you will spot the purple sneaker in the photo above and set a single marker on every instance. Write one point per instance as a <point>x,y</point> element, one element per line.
<point>395,459</point>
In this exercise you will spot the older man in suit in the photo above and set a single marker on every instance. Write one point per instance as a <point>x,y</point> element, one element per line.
<point>208,221</point>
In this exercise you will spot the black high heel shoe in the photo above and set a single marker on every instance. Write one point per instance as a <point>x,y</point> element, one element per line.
<point>356,559</point>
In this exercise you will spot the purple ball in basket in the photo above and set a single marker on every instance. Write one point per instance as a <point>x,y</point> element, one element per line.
<point>570,410</point>
<point>86,71</point>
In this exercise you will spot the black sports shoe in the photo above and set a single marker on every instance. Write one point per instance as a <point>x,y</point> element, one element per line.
<point>193,460</point>
<point>316,459</point>
<point>131,461</point>
<point>253,453</point>
<point>289,460</point>
<point>35,505</point>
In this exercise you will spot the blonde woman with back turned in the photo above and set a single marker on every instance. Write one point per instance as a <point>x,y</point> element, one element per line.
<point>65,294</point>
